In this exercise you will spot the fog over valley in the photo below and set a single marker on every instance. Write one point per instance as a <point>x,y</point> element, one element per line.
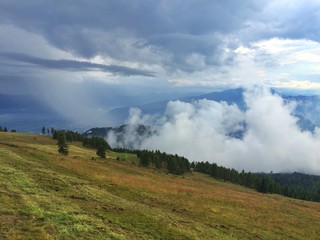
<point>269,136</point>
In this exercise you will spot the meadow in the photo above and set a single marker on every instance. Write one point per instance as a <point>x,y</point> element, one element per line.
<point>44,195</point>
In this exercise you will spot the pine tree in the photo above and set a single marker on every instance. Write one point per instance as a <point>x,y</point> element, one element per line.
<point>173,166</point>
<point>5,129</point>
<point>43,130</point>
<point>144,158</point>
<point>62,143</point>
<point>0,129</point>
<point>263,186</point>
<point>101,152</point>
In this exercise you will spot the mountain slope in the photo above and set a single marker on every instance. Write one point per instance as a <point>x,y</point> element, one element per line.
<point>48,196</point>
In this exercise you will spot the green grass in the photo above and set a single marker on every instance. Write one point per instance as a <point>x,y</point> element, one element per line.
<point>44,195</point>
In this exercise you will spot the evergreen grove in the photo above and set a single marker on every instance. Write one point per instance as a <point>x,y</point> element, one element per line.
<point>4,129</point>
<point>265,183</point>
<point>69,136</point>
<point>174,163</point>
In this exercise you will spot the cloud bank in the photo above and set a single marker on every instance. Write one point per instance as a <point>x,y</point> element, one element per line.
<point>201,131</point>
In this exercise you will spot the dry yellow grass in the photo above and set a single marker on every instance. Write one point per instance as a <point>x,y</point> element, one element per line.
<point>49,196</point>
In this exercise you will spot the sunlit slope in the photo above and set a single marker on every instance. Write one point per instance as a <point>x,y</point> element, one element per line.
<point>44,195</point>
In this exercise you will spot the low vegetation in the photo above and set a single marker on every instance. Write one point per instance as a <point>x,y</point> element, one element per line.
<point>45,195</point>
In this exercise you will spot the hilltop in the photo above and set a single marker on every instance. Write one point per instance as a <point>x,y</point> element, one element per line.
<point>45,195</point>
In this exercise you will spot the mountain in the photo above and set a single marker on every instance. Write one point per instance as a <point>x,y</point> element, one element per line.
<point>45,195</point>
<point>230,96</point>
<point>28,113</point>
<point>307,110</point>
<point>119,134</point>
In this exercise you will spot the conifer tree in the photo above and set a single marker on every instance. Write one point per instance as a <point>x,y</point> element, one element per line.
<point>263,186</point>
<point>5,129</point>
<point>101,152</point>
<point>43,130</point>
<point>62,143</point>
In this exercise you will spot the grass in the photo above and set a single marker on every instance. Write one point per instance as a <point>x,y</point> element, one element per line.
<point>44,195</point>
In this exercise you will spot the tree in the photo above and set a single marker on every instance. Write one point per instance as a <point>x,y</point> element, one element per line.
<point>173,166</point>
<point>144,158</point>
<point>263,186</point>
<point>5,129</point>
<point>0,129</point>
<point>62,143</point>
<point>52,131</point>
<point>101,152</point>
<point>43,130</point>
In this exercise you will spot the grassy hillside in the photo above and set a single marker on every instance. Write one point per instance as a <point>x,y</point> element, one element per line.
<point>44,195</point>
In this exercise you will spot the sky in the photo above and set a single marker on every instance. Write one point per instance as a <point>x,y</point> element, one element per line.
<point>92,56</point>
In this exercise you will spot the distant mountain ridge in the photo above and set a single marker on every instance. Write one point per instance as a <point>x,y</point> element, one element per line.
<point>230,96</point>
<point>307,110</point>
<point>119,134</point>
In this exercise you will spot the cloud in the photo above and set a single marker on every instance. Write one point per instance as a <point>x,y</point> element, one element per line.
<point>72,65</point>
<point>171,39</point>
<point>200,131</point>
<point>124,29</point>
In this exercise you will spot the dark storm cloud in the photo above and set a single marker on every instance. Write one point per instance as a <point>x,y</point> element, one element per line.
<point>171,30</point>
<point>142,17</point>
<point>109,28</point>
<point>71,65</point>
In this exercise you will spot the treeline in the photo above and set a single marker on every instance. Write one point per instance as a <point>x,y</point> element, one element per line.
<point>70,135</point>
<point>95,142</point>
<point>175,164</point>
<point>261,182</point>
<point>304,186</point>
<point>5,129</point>
<point>125,150</point>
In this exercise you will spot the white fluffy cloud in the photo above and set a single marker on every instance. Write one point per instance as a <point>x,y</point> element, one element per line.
<point>201,131</point>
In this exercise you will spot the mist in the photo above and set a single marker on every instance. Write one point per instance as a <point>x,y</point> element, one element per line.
<point>204,131</point>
